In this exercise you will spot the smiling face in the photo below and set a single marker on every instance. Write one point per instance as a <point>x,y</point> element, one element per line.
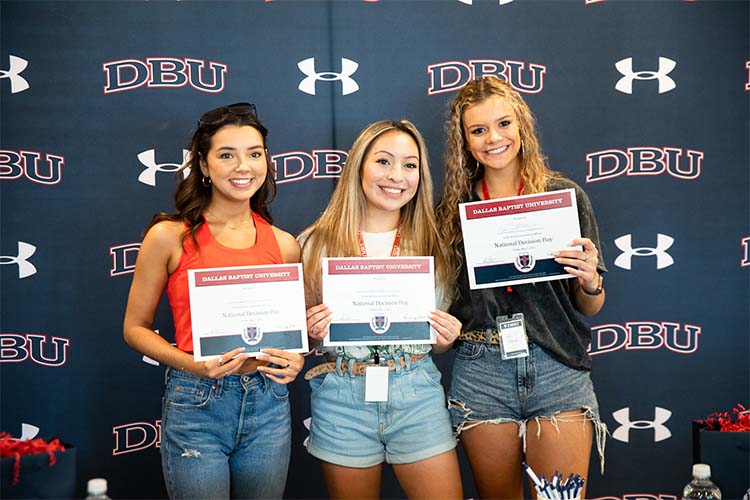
<point>492,134</point>
<point>390,173</point>
<point>236,163</point>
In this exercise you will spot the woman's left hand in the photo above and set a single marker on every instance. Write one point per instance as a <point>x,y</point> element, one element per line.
<point>581,263</point>
<point>289,364</point>
<point>448,329</point>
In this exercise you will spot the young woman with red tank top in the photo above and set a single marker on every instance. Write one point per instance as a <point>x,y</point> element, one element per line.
<point>225,421</point>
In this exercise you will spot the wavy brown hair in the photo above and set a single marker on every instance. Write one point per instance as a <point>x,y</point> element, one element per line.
<point>193,196</point>
<point>462,170</point>
<point>335,232</point>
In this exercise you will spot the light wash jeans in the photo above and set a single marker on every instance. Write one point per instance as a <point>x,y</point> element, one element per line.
<point>225,438</point>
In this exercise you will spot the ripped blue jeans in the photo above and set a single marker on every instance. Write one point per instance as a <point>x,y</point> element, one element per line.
<point>487,389</point>
<point>225,438</point>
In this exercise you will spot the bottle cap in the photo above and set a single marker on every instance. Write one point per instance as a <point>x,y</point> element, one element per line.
<point>701,471</point>
<point>97,486</point>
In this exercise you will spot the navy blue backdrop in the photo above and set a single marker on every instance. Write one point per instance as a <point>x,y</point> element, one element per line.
<point>643,103</point>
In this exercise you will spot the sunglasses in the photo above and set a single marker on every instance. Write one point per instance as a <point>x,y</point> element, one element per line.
<point>218,115</point>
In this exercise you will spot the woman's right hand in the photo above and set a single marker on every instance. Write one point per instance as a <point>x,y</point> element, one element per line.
<point>318,319</point>
<point>228,363</point>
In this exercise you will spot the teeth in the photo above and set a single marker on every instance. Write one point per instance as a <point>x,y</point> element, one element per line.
<point>391,190</point>
<point>241,181</point>
<point>497,150</point>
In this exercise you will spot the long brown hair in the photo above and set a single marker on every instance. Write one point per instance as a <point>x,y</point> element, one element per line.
<point>462,171</point>
<point>335,232</point>
<point>193,195</point>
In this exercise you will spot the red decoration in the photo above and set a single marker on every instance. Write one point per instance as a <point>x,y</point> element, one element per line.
<point>12,447</point>
<point>722,421</point>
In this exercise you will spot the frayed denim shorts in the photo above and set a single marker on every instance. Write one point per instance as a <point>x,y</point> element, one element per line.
<point>412,425</point>
<point>487,389</point>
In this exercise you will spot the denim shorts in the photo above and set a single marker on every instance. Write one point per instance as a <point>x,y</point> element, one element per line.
<point>412,425</point>
<point>227,437</point>
<point>487,389</point>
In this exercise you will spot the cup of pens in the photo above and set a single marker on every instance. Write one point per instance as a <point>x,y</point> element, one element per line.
<point>556,487</point>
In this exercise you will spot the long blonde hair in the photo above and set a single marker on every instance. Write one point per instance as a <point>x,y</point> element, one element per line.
<point>462,171</point>
<point>334,234</point>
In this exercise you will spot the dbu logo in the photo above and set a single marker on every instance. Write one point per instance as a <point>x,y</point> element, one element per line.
<point>15,348</point>
<point>148,160</point>
<point>661,431</point>
<point>17,164</point>
<point>625,67</point>
<point>639,335</point>
<point>25,268</point>
<point>123,259</point>
<point>298,165</point>
<point>639,161</point>
<point>163,72</point>
<point>453,75</point>
<point>625,243</point>
<point>348,68</point>
<point>13,74</point>
<point>136,436</point>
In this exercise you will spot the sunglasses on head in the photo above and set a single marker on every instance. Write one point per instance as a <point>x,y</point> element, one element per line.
<point>218,115</point>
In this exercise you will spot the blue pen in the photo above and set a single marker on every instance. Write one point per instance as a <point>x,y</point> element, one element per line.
<point>534,479</point>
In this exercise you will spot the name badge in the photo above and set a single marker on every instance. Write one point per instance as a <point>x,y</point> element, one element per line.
<point>376,384</point>
<point>513,341</point>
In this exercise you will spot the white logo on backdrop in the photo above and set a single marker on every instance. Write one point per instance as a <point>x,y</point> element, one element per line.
<point>661,432</point>
<point>348,68</point>
<point>25,268</point>
<point>13,73</point>
<point>625,243</point>
<point>500,2</point>
<point>625,67</point>
<point>148,159</point>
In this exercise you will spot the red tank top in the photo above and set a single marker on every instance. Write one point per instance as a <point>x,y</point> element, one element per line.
<point>213,254</point>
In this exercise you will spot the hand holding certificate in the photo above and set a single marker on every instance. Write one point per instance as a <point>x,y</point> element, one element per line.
<point>510,241</point>
<point>251,307</point>
<point>379,301</point>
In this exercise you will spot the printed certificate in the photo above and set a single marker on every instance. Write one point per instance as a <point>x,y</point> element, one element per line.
<point>251,307</point>
<point>379,301</point>
<point>510,241</point>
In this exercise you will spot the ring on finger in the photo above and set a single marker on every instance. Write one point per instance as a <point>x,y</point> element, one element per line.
<point>221,361</point>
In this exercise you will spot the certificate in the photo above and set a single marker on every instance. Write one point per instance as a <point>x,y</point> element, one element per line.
<point>251,307</point>
<point>510,241</point>
<point>379,301</point>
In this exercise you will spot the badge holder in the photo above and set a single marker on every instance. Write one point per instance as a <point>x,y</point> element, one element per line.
<point>513,341</point>
<point>376,382</point>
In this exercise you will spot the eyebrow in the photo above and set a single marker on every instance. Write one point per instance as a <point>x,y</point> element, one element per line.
<point>500,118</point>
<point>383,151</point>
<point>231,148</point>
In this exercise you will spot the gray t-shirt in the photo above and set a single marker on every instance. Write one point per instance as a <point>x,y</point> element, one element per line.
<point>552,321</point>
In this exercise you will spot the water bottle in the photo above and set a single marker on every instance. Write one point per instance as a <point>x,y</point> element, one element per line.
<point>701,487</point>
<point>97,489</point>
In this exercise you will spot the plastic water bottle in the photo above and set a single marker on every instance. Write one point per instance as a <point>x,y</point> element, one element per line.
<point>97,489</point>
<point>701,487</point>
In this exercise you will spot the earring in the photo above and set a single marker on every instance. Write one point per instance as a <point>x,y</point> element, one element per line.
<point>521,150</point>
<point>206,181</point>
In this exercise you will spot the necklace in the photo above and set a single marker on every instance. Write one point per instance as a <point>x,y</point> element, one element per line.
<point>226,223</point>
<point>486,192</point>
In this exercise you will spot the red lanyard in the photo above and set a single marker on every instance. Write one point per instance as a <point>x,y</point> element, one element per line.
<point>486,192</point>
<point>394,250</point>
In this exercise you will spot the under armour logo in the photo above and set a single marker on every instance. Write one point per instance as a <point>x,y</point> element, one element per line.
<point>17,82</point>
<point>25,268</point>
<point>348,68</point>
<point>661,432</point>
<point>148,159</point>
<point>625,243</point>
<point>500,2</point>
<point>625,67</point>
